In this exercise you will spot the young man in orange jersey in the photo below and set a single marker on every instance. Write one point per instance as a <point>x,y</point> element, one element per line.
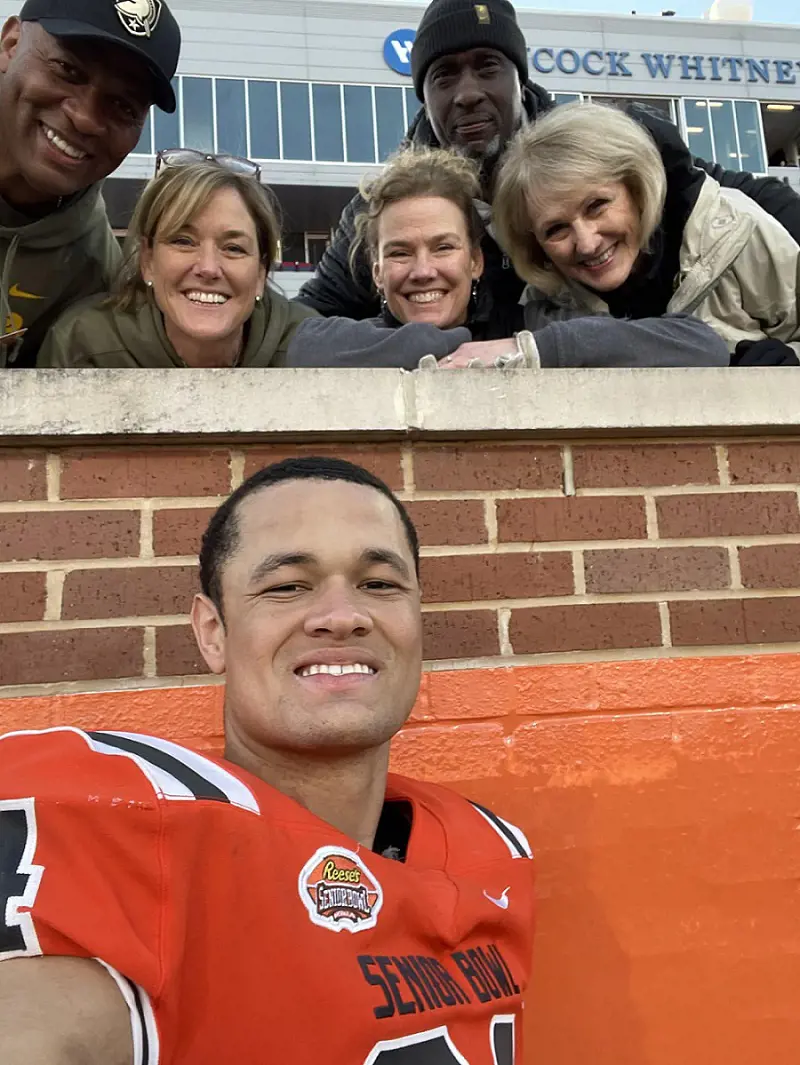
<point>293,902</point>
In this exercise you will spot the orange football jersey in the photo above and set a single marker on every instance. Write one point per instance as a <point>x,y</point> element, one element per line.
<point>242,928</point>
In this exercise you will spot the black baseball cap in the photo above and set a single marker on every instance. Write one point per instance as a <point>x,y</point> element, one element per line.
<point>147,28</point>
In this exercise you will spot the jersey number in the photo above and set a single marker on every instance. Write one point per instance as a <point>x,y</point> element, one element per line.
<point>19,878</point>
<point>435,1047</point>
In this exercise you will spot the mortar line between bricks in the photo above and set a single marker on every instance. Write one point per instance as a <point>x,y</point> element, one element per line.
<point>53,476</point>
<point>688,490</point>
<point>735,567</point>
<point>73,564</point>
<point>490,520</point>
<point>666,624</point>
<point>700,595</point>
<point>65,506</point>
<point>54,601</point>
<point>407,467</point>
<point>579,572</point>
<point>640,654</point>
<point>149,651</point>
<point>651,518</point>
<point>568,461</point>
<point>723,468</point>
<point>11,628</point>
<point>236,463</point>
<point>146,550</point>
<point>504,632</point>
<point>112,685</point>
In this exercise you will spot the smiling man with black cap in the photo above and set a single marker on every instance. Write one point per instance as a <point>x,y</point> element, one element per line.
<point>77,78</point>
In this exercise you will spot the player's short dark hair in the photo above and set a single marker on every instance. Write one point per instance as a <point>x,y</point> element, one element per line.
<point>221,537</point>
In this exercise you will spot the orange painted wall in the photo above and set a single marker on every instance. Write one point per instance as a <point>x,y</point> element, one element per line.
<point>663,802</point>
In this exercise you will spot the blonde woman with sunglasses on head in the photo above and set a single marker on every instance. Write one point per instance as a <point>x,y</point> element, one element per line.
<point>192,289</point>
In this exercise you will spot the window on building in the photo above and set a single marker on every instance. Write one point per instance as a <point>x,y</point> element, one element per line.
<point>316,243</point>
<point>264,126</point>
<point>698,128</point>
<point>391,125</point>
<point>566,97</point>
<point>328,142</point>
<point>663,105</point>
<point>295,120</point>
<point>359,124</point>
<point>166,128</point>
<point>293,248</point>
<point>751,139</point>
<point>144,145</point>
<point>412,106</point>
<point>198,114</point>
<point>231,116</point>
<point>722,131</point>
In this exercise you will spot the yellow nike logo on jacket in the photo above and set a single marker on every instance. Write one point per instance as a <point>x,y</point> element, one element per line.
<point>15,290</point>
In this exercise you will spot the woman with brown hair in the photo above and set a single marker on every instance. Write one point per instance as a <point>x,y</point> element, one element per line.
<point>192,289</point>
<point>422,233</point>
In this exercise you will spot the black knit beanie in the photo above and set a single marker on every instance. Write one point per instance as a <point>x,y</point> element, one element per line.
<point>450,26</point>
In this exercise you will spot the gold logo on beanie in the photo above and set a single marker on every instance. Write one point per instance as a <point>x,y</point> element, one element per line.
<point>482,14</point>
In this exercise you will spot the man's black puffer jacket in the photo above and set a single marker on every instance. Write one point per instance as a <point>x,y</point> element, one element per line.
<point>335,291</point>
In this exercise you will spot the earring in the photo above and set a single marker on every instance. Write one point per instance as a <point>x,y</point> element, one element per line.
<point>149,284</point>
<point>474,293</point>
<point>258,300</point>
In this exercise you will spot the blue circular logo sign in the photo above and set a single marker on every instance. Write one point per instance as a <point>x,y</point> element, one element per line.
<point>397,50</point>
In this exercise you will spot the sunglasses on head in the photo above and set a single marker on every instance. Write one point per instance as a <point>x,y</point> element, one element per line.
<point>187,156</point>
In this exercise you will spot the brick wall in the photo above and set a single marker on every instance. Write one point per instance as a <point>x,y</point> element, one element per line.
<point>611,550</point>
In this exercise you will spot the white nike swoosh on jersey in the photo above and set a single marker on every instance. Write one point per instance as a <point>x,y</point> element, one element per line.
<point>502,902</point>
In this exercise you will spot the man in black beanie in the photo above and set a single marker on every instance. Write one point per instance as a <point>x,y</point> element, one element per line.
<point>470,69</point>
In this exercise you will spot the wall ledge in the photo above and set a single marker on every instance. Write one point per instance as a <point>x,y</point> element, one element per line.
<point>39,404</point>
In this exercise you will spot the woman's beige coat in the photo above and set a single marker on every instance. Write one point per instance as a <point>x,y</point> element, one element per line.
<point>739,273</point>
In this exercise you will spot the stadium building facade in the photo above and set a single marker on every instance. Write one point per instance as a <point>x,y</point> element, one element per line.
<point>320,93</point>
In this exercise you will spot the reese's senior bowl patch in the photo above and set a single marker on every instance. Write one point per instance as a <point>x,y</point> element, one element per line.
<point>339,891</point>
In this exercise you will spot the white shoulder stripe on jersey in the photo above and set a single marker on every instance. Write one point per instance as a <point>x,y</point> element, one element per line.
<point>236,791</point>
<point>513,837</point>
<point>164,784</point>
<point>144,1030</point>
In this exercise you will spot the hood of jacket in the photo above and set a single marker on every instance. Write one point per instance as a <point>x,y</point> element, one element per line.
<point>64,226</point>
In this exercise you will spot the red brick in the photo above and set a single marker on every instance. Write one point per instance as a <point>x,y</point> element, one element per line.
<point>463,578</point>
<point>449,522</point>
<point>643,465</point>
<point>23,475</point>
<point>122,593</point>
<point>546,629</point>
<point>176,652</point>
<point>487,467</point>
<point>728,514</point>
<point>772,462</point>
<point>80,654</point>
<point>656,569</point>
<point>735,621</point>
<point>22,596</point>
<point>460,634</point>
<point>770,566</point>
<point>381,459</point>
<point>572,518</point>
<point>69,534</point>
<point>178,532</point>
<point>133,473</point>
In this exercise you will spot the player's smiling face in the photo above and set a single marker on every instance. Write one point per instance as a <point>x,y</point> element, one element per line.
<point>322,635</point>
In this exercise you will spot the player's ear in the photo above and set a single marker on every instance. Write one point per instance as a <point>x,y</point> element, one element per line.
<point>209,632</point>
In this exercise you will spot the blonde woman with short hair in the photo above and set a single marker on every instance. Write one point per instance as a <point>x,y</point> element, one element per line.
<point>192,288</point>
<point>600,224</point>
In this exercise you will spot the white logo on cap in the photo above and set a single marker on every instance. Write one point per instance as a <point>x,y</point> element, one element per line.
<point>139,17</point>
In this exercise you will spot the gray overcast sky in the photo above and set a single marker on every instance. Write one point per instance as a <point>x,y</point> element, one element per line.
<point>763,10</point>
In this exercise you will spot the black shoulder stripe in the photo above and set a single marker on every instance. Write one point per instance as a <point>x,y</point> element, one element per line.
<point>503,829</point>
<point>137,998</point>
<point>198,785</point>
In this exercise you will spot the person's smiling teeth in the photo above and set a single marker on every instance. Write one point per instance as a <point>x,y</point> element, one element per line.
<point>336,670</point>
<point>207,297</point>
<point>64,146</point>
<point>600,259</point>
<point>426,297</point>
